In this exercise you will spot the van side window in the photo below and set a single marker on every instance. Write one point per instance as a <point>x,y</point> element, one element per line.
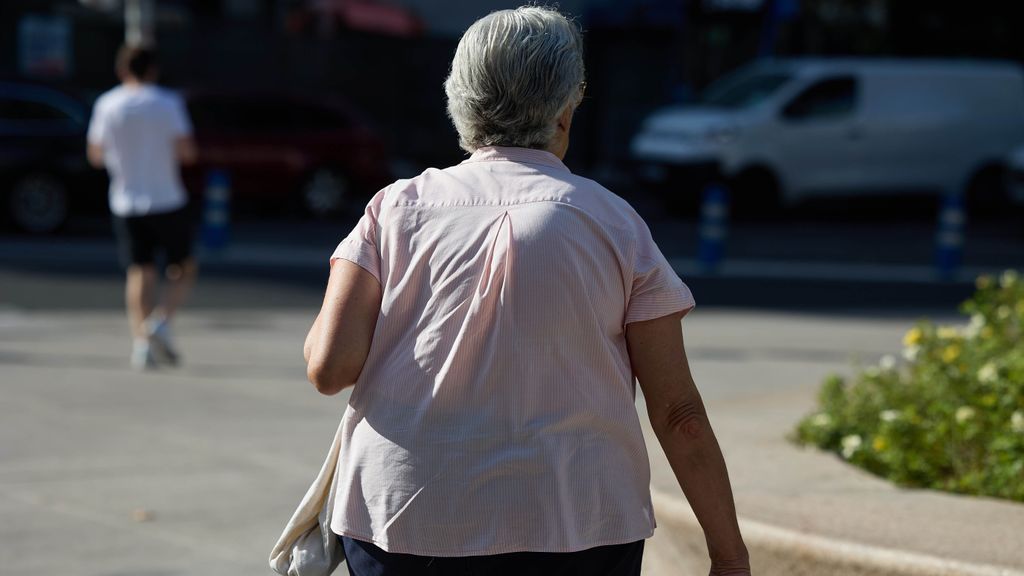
<point>830,98</point>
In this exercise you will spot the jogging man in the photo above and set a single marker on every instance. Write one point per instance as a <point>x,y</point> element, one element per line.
<point>141,133</point>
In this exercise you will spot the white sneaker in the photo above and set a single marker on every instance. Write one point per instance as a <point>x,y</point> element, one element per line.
<point>142,356</point>
<point>162,343</point>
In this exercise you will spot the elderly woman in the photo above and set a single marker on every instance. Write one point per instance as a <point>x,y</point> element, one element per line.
<point>492,317</point>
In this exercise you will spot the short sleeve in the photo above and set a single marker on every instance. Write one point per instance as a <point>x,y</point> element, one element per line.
<point>97,132</point>
<point>361,246</point>
<point>657,290</point>
<point>181,125</point>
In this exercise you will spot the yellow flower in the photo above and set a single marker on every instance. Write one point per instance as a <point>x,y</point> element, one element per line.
<point>989,400</point>
<point>879,443</point>
<point>987,332</point>
<point>983,282</point>
<point>947,333</point>
<point>951,353</point>
<point>912,337</point>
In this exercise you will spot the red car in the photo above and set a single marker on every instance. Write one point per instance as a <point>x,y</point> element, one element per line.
<point>286,151</point>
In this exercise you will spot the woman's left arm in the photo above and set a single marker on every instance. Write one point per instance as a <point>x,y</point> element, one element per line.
<point>339,341</point>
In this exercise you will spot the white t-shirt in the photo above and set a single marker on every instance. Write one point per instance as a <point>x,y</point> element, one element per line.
<point>137,127</point>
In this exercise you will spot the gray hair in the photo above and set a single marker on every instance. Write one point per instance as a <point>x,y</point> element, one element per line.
<point>513,73</point>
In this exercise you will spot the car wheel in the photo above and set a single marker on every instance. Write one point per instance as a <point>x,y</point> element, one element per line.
<point>38,203</point>
<point>326,193</point>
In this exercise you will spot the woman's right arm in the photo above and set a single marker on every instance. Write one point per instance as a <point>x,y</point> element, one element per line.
<point>677,414</point>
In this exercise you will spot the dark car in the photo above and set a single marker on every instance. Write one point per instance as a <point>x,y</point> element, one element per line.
<point>44,175</point>
<point>286,151</point>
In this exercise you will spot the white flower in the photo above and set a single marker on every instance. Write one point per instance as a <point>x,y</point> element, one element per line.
<point>964,413</point>
<point>974,327</point>
<point>1008,278</point>
<point>988,373</point>
<point>1003,312</point>
<point>821,419</point>
<point>888,362</point>
<point>850,445</point>
<point>1017,421</point>
<point>888,415</point>
<point>910,353</point>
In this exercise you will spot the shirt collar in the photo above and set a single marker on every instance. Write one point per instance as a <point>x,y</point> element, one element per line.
<point>518,155</point>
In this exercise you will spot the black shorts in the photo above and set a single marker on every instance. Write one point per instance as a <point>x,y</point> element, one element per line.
<point>365,559</point>
<point>141,238</point>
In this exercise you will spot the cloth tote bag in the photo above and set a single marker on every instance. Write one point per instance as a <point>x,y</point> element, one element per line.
<point>307,547</point>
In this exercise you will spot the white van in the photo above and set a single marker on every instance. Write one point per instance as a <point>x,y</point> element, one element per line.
<point>789,129</point>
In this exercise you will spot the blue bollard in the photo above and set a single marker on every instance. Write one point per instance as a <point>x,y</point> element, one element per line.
<point>714,227</point>
<point>216,211</point>
<point>949,237</point>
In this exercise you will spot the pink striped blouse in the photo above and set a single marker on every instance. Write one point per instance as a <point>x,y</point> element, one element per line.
<point>495,412</point>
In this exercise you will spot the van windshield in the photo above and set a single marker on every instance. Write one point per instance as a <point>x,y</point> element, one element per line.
<point>743,90</point>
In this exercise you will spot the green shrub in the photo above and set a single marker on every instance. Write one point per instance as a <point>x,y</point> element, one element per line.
<point>950,414</point>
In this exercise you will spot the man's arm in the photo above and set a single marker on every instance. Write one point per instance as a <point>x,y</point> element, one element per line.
<point>339,341</point>
<point>185,150</point>
<point>677,413</point>
<point>94,153</point>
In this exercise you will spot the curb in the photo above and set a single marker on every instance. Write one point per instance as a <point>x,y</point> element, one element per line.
<point>830,271</point>
<point>782,551</point>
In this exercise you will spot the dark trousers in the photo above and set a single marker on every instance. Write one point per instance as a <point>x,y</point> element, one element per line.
<point>365,559</point>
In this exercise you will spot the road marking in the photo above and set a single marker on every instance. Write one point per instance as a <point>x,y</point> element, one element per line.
<point>845,272</point>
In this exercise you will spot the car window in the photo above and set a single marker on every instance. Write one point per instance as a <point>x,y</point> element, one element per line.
<point>22,109</point>
<point>826,99</point>
<point>743,91</point>
<point>261,116</point>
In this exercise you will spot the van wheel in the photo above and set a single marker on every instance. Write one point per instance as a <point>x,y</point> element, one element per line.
<point>326,193</point>
<point>756,193</point>
<point>987,193</point>
<point>38,203</point>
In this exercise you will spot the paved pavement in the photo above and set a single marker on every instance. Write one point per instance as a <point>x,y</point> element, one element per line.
<point>107,472</point>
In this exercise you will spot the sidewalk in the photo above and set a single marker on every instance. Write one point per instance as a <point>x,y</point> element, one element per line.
<point>804,512</point>
<point>195,470</point>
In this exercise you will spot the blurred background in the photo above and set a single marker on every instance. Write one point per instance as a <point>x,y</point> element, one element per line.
<point>812,133</point>
<point>820,172</point>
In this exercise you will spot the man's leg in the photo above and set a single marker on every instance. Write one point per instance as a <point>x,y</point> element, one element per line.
<point>135,247</point>
<point>139,296</point>
<point>174,230</point>
<point>139,291</point>
<point>180,279</point>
